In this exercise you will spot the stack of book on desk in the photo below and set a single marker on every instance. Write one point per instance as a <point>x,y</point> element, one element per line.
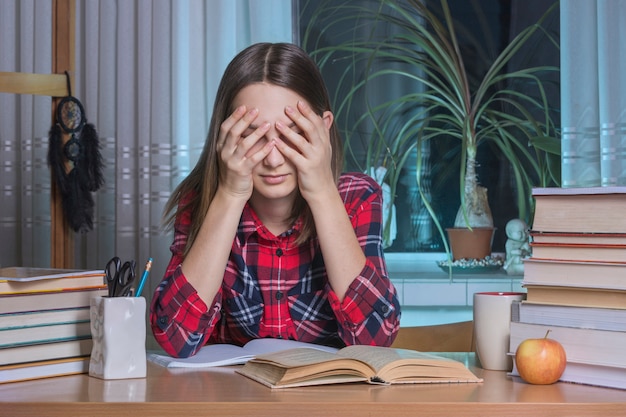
<point>576,282</point>
<point>45,321</point>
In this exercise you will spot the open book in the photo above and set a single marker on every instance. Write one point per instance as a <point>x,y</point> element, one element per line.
<point>373,364</point>
<point>225,354</point>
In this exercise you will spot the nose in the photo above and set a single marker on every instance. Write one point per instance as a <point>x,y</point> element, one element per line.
<point>274,159</point>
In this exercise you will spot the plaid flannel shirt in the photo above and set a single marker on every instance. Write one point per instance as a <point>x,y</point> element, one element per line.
<point>273,288</point>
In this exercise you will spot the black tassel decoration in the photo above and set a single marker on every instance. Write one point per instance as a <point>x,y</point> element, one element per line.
<point>82,151</point>
<point>78,203</point>
<point>56,159</point>
<point>91,162</point>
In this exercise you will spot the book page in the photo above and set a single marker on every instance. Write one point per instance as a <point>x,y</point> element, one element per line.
<point>379,357</point>
<point>305,366</point>
<point>300,357</point>
<point>226,354</point>
<point>270,345</point>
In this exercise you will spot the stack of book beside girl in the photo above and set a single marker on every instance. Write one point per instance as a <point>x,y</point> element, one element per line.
<point>576,282</point>
<point>45,321</point>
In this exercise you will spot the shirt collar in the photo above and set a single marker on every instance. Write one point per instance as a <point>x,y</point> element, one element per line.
<point>251,224</point>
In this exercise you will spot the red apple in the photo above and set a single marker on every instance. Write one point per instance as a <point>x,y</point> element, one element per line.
<point>540,361</point>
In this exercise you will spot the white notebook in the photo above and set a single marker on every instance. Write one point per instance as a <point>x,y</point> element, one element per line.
<point>225,354</point>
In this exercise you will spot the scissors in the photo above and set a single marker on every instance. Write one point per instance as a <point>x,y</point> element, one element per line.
<point>120,278</point>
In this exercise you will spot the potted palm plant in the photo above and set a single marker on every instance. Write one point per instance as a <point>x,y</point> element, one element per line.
<point>505,108</point>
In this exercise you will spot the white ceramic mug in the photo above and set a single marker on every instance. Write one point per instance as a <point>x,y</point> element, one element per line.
<point>492,322</point>
<point>118,329</point>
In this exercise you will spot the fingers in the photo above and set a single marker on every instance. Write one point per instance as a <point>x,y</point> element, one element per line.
<point>307,145</point>
<point>299,136</point>
<point>239,136</point>
<point>310,132</point>
<point>234,127</point>
<point>240,147</point>
<point>305,119</point>
<point>228,124</point>
<point>304,135</point>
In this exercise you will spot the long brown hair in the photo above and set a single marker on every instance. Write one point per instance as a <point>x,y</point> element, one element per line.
<point>281,64</point>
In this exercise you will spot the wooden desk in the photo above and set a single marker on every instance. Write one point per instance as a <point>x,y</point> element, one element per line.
<point>219,391</point>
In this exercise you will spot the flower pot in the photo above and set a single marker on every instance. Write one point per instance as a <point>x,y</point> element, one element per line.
<point>470,244</point>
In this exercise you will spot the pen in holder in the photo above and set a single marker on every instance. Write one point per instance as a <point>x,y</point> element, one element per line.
<point>118,329</point>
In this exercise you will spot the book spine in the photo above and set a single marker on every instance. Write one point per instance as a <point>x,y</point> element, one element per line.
<point>46,351</point>
<point>607,275</point>
<point>43,318</point>
<point>569,316</point>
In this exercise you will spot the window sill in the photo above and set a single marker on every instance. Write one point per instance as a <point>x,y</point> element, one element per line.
<point>421,283</point>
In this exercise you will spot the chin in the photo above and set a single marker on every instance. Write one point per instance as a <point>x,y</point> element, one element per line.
<point>276,192</point>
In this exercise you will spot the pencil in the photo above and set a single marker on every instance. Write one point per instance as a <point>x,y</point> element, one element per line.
<point>144,277</point>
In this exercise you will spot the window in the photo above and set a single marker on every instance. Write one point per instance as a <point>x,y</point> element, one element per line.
<point>480,36</point>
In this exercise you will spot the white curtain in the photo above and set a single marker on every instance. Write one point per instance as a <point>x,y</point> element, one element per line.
<point>146,73</point>
<point>593,92</point>
<point>24,123</point>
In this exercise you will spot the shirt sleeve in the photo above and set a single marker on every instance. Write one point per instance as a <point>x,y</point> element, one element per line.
<point>369,314</point>
<point>181,321</point>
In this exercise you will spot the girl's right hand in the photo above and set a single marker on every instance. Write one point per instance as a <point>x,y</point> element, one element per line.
<point>237,153</point>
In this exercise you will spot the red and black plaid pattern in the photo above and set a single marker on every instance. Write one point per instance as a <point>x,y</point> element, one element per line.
<point>273,288</point>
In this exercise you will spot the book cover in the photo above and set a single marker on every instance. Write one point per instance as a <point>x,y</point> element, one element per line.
<point>611,319</point>
<point>593,210</point>
<point>359,363</point>
<point>44,334</point>
<point>46,351</point>
<point>43,317</point>
<point>592,346</point>
<point>607,275</point>
<point>48,300</point>
<point>575,296</point>
<point>43,369</point>
<point>222,354</point>
<point>579,252</point>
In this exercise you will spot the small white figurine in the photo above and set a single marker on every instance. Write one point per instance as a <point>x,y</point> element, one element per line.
<point>378,174</point>
<point>517,247</point>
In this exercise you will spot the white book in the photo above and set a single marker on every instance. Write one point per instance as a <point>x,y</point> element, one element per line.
<point>44,334</point>
<point>225,354</point>
<point>590,374</point>
<point>569,316</point>
<point>591,346</point>
<point>44,369</point>
<point>48,300</point>
<point>20,280</point>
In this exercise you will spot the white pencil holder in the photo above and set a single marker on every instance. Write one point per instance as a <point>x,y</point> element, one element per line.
<point>118,329</point>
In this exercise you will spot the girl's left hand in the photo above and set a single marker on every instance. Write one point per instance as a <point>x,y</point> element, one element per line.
<point>310,150</point>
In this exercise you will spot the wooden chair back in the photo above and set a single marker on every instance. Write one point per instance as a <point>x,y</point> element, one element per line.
<point>451,337</point>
